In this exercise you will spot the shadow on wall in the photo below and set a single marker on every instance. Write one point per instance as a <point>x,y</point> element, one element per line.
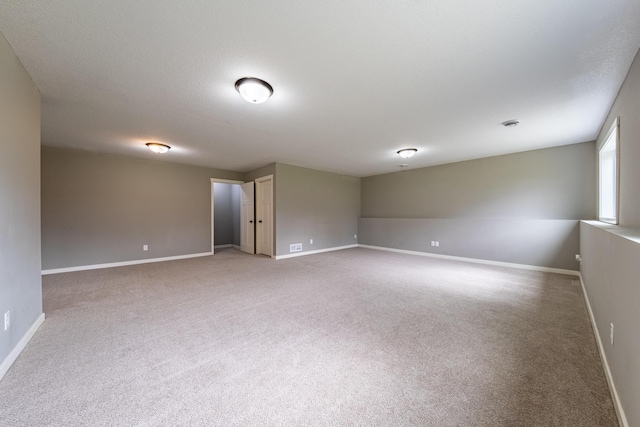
<point>542,243</point>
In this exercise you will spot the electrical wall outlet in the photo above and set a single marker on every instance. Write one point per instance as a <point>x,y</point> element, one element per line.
<point>296,247</point>
<point>355,236</point>
<point>7,320</point>
<point>611,334</point>
<point>311,241</point>
<point>145,247</point>
<point>578,258</point>
<point>435,243</point>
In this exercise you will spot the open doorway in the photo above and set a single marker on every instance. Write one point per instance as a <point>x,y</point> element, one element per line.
<point>242,215</point>
<point>225,214</point>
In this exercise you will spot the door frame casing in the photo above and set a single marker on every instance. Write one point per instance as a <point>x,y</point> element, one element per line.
<point>218,181</point>
<point>271,225</point>
<point>247,218</point>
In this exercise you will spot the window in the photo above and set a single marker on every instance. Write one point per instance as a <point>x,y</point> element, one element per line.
<point>608,171</point>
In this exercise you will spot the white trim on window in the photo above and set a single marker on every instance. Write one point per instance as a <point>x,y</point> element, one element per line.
<point>609,175</point>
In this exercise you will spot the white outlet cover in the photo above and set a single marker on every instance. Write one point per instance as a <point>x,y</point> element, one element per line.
<point>7,320</point>
<point>145,247</point>
<point>612,334</point>
<point>311,241</point>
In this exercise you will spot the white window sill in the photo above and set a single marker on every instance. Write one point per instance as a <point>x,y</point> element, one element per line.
<point>629,233</point>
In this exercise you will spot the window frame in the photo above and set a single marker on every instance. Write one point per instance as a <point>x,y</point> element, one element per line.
<point>614,132</point>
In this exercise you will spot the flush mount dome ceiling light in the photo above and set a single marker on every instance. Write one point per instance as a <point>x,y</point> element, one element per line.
<point>254,90</point>
<point>405,153</point>
<point>510,123</point>
<point>158,148</point>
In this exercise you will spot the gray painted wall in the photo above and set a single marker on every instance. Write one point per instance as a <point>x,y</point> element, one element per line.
<point>99,208</point>
<point>259,173</point>
<point>627,107</point>
<point>521,208</point>
<point>548,243</point>
<point>611,255</point>
<point>316,205</point>
<point>20,283</point>
<point>612,281</point>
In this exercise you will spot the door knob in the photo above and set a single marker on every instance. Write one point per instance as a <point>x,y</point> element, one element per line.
<point>260,221</point>
<point>250,222</point>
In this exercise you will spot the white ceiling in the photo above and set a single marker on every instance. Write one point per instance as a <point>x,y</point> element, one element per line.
<point>354,80</point>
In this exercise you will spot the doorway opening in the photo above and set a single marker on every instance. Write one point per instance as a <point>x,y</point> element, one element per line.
<point>242,215</point>
<point>225,215</point>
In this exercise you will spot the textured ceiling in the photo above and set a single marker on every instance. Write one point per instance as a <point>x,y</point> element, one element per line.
<point>354,81</point>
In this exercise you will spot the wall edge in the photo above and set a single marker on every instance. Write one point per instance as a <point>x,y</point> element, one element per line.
<point>6,363</point>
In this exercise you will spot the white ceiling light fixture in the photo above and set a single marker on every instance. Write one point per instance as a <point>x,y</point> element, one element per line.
<point>158,148</point>
<point>510,123</point>
<point>405,153</point>
<point>253,90</point>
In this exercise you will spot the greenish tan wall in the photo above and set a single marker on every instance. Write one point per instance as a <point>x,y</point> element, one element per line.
<point>312,204</point>
<point>99,208</point>
<point>519,208</point>
<point>552,183</point>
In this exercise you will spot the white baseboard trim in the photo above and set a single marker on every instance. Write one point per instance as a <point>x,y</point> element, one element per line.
<point>121,264</point>
<point>477,261</point>
<point>297,254</point>
<point>622,418</point>
<point>6,363</point>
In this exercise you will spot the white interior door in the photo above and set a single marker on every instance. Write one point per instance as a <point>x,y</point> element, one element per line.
<point>264,215</point>
<point>247,222</point>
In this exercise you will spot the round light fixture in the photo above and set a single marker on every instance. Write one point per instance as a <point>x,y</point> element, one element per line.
<point>158,148</point>
<point>510,123</point>
<point>405,153</point>
<point>254,90</point>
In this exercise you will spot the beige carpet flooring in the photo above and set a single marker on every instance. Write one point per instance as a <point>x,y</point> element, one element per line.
<point>350,338</point>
